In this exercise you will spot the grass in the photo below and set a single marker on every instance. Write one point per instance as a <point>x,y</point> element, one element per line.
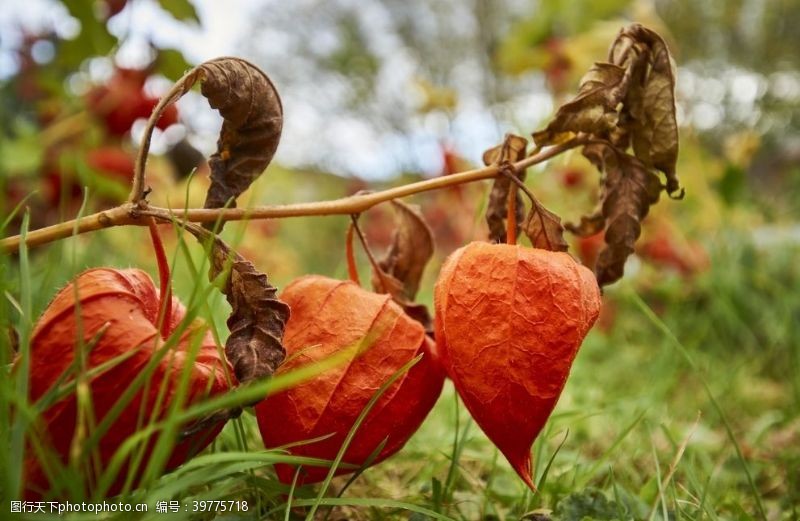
<point>687,408</point>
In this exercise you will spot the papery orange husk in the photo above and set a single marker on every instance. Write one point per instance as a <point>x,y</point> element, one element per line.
<point>126,304</point>
<point>329,317</point>
<point>509,322</point>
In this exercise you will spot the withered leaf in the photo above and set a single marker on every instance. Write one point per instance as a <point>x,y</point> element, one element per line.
<point>628,189</point>
<point>628,101</point>
<point>258,318</point>
<point>648,111</point>
<point>251,129</point>
<point>411,249</point>
<point>257,321</point>
<point>512,149</point>
<point>400,270</point>
<point>544,229</point>
<point>593,110</point>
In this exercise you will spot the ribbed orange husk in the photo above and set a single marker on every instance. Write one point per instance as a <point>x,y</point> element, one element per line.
<point>509,322</point>
<point>126,303</point>
<point>329,317</point>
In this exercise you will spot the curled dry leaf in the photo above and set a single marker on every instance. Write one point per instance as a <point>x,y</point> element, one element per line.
<point>593,110</point>
<point>649,107</point>
<point>512,150</point>
<point>544,228</point>
<point>411,249</point>
<point>629,101</point>
<point>399,272</point>
<point>258,318</point>
<point>628,189</point>
<point>251,130</point>
<point>632,98</point>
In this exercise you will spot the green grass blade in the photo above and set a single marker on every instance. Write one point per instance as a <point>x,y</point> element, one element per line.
<point>20,423</point>
<point>291,494</point>
<point>546,471</point>
<point>660,325</point>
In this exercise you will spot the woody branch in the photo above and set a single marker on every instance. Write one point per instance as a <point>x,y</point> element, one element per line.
<point>131,213</point>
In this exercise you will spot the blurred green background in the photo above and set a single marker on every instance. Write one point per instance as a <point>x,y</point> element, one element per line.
<point>377,93</point>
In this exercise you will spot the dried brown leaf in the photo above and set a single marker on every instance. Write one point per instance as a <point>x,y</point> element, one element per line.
<point>628,101</point>
<point>411,249</point>
<point>512,149</point>
<point>399,272</point>
<point>251,129</point>
<point>544,229</point>
<point>257,321</point>
<point>648,111</point>
<point>628,189</point>
<point>593,111</point>
<point>258,318</point>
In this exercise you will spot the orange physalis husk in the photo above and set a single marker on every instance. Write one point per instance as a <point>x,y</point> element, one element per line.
<point>329,317</point>
<point>509,322</point>
<point>119,315</point>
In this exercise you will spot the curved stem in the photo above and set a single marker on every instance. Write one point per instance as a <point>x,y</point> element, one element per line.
<point>177,90</point>
<point>129,213</point>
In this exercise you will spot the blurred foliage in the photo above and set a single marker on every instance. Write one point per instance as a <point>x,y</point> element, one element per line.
<point>755,35</point>
<point>427,67</point>
<point>66,127</point>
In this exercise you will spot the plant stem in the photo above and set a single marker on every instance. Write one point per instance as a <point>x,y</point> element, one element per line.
<point>511,215</point>
<point>352,269</point>
<point>376,268</point>
<point>178,89</point>
<point>130,213</point>
<point>165,284</point>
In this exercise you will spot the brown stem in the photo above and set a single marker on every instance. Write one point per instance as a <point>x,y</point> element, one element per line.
<point>373,262</point>
<point>177,90</point>
<point>520,185</point>
<point>352,270</point>
<point>165,292</point>
<point>129,213</point>
<point>511,215</point>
